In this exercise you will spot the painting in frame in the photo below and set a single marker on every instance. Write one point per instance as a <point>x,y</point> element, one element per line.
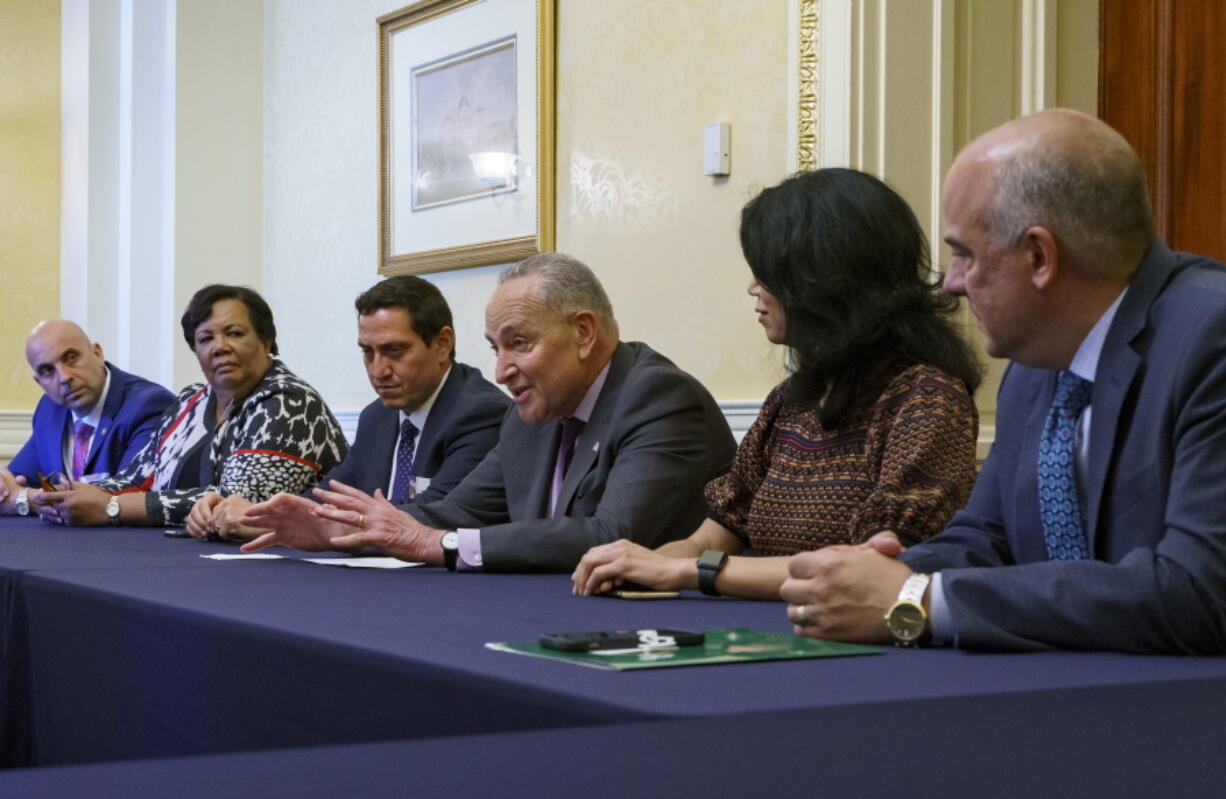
<point>466,134</point>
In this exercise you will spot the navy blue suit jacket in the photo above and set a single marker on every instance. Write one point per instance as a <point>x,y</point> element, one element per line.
<point>461,428</point>
<point>133,410</point>
<point>1156,491</point>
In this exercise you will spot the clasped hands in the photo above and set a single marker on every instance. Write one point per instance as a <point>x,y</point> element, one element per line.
<point>11,486</point>
<point>221,518</point>
<point>843,592</point>
<point>83,505</point>
<point>350,520</point>
<point>607,567</point>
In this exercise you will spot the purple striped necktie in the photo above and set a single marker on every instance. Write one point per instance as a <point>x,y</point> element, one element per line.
<point>81,433</point>
<point>566,452</point>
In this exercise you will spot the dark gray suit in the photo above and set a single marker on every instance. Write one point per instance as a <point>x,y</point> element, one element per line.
<point>653,441</point>
<point>1156,493</point>
<point>461,428</point>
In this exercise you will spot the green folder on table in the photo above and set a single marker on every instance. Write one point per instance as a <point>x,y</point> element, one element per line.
<point>726,645</point>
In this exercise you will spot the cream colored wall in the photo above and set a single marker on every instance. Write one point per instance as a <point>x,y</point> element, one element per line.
<point>320,172</point>
<point>29,185</point>
<point>927,78</point>
<point>218,152</point>
<point>276,156</point>
<point>989,69</point>
<point>636,82</point>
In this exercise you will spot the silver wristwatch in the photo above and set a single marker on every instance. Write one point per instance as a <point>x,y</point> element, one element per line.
<point>22,503</point>
<point>112,510</point>
<point>450,541</point>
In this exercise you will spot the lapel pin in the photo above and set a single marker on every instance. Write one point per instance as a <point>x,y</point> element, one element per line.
<point>595,446</point>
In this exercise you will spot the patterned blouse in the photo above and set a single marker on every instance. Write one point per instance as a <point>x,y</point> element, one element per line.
<point>906,463</point>
<point>281,438</point>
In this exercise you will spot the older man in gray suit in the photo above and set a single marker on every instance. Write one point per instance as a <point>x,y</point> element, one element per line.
<point>608,440</point>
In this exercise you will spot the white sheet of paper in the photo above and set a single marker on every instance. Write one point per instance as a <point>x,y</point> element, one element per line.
<point>242,556</point>
<point>364,563</point>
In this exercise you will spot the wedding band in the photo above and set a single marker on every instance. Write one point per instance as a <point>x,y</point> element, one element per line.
<point>801,617</point>
<point>361,521</point>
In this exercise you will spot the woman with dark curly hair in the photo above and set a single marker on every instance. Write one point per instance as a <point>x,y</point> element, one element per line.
<point>873,430</point>
<point>253,428</point>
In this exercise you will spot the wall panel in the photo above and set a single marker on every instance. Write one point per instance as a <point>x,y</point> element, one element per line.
<point>29,185</point>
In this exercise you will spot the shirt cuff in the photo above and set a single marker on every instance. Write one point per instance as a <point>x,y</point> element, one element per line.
<point>469,559</point>
<point>943,631</point>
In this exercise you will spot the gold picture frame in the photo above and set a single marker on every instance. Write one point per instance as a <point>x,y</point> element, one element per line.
<point>442,229</point>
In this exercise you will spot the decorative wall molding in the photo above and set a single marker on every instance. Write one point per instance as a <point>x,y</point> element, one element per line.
<point>15,427</point>
<point>987,434</point>
<point>807,86</point>
<point>14,431</point>
<point>117,181</point>
<point>348,421</point>
<point>740,415</point>
<point>1038,47</point>
<point>820,83</point>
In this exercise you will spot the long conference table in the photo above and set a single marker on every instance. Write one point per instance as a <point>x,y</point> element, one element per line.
<point>131,666</point>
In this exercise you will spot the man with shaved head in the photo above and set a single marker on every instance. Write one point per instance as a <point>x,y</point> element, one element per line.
<point>93,419</point>
<point>1099,519</point>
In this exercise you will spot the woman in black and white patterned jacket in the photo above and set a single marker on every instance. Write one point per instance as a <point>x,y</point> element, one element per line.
<point>253,428</point>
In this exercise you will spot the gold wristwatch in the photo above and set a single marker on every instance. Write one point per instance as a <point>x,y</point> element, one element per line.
<point>907,618</point>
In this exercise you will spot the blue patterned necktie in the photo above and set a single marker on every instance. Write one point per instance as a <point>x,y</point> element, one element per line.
<point>404,463</point>
<point>1063,528</point>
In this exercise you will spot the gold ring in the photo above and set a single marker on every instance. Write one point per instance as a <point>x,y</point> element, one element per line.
<point>802,618</point>
<point>361,521</point>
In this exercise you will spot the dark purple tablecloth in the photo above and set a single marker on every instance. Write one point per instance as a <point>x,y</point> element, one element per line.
<point>1151,740</point>
<point>168,654</point>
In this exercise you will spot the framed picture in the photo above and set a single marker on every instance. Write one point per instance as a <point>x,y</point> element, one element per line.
<point>466,134</point>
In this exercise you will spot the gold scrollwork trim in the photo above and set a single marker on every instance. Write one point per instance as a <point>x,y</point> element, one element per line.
<point>546,119</point>
<point>806,116</point>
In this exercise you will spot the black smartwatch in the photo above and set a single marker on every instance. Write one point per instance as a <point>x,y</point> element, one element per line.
<point>451,549</point>
<point>710,564</point>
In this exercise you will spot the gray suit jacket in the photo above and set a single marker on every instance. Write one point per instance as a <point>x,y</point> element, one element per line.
<point>654,440</point>
<point>1156,493</point>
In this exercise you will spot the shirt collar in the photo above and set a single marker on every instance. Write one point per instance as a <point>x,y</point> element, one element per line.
<point>584,412</point>
<point>95,413</point>
<point>1085,362</point>
<point>421,412</point>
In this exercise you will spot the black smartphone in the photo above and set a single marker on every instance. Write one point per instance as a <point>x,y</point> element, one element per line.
<point>620,639</point>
